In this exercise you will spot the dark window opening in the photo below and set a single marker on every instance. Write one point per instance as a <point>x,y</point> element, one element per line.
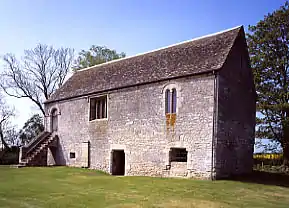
<point>174,100</point>
<point>98,108</point>
<point>171,101</point>
<point>72,155</point>
<point>168,101</point>
<point>178,155</point>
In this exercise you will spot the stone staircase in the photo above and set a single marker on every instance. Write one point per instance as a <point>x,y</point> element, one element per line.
<point>35,153</point>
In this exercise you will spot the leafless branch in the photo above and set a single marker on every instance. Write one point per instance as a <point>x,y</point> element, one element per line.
<point>39,73</point>
<point>5,115</point>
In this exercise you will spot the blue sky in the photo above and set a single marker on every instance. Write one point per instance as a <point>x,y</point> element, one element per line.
<point>128,26</point>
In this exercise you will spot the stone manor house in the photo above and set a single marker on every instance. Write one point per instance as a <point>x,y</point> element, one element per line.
<point>184,110</point>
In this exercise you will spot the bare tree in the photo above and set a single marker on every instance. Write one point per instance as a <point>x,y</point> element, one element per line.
<point>6,113</point>
<point>39,73</point>
<point>12,137</point>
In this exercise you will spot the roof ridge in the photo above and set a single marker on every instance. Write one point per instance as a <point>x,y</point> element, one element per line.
<point>158,49</point>
<point>209,52</point>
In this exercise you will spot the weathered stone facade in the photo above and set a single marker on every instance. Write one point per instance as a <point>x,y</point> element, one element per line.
<point>236,113</point>
<point>214,121</point>
<point>137,124</point>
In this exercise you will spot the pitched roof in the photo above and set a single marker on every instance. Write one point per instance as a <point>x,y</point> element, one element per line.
<point>195,56</point>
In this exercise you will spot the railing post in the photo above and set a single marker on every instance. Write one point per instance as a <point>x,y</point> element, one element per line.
<point>20,154</point>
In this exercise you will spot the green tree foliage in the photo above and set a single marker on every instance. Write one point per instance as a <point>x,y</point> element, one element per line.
<point>96,55</point>
<point>268,44</point>
<point>32,127</point>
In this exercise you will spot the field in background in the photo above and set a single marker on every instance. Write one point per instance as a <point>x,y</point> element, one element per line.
<point>270,162</point>
<point>75,187</point>
<point>273,159</point>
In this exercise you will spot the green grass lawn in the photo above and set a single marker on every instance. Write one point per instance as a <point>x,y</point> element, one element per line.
<point>73,187</point>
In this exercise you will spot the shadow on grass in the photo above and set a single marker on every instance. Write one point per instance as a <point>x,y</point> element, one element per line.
<point>266,178</point>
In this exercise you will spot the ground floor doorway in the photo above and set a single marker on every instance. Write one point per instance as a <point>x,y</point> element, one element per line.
<point>118,162</point>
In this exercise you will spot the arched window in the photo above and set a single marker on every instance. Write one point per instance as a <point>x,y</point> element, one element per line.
<point>171,101</point>
<point>54,119</point>
<point>174,100</point>
<point>168,101</point>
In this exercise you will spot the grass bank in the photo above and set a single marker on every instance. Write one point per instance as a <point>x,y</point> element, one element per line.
<point>73,187</point>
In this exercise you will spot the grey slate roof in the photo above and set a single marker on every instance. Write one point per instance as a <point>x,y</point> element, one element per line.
<point>196,56</point>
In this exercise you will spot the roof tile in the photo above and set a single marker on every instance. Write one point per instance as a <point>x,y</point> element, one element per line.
<point>196,56</point>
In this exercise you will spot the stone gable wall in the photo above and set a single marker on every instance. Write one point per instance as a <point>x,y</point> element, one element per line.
<point>236,112</point>
<point>138,125</point>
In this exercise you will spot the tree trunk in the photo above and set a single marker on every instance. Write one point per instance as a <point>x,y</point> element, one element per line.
<point>2,138</point>
<point>285,147</point>
<point>285,142</point>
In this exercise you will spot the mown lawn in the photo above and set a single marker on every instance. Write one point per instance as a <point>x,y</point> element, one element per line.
<point>73,187</point>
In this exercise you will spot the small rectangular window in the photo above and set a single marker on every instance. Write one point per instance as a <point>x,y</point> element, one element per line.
<point>98,108</point>
<point>178,155</point>
<point>72,155</point>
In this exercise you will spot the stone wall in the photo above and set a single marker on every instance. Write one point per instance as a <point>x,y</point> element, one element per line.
<point>138,125</point>
<point>236,112</point>
<point>178,169</point>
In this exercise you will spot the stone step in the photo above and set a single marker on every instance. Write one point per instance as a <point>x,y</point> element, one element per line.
<point>30,159</point>
<point>17,166</point>
<point>22,163</point>
<point>24,160</point>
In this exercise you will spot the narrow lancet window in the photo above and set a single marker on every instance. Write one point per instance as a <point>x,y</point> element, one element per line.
<point>174,100</point>
<point>168,101</point>
<point>171,101</point>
